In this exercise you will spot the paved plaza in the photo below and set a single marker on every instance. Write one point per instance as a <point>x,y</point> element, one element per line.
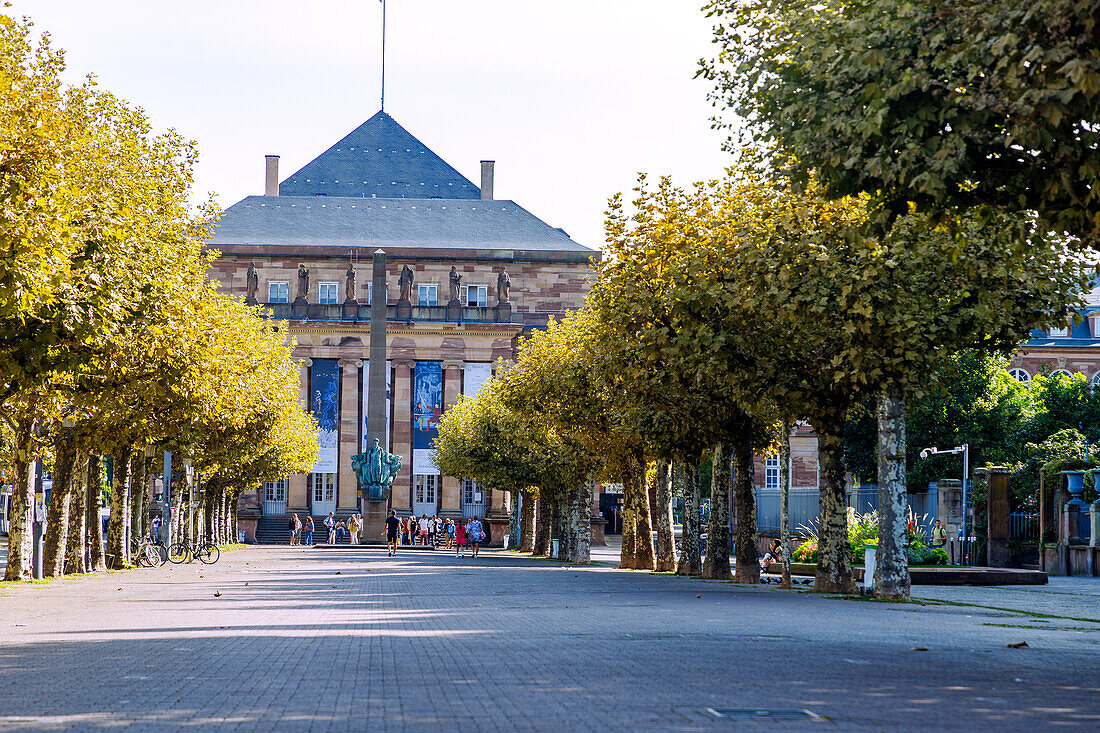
<point>286,638</point>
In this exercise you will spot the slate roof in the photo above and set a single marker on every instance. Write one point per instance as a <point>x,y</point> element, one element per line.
<point>379,158</point>
<point>325,221</point>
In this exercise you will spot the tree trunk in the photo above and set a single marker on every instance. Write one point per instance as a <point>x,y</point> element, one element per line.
<point>744,493</point>
<point>21,511</point>
<point>57,514</point>
<point>834,567</point>
<point>662,518</point>
<point>76,539</point>
<point>628,556</point>
<point>543,529</point>
<point>579,524</point>
<point>644,556</point>
<point>716,565</point>
<point>527,523</point>
<point>93,495</point>
<point>118,523</point>
<point>514,519</point>
<point>784,504</point>
<point>892,556</point>
<point>690,563</point>
<point>139,495</point>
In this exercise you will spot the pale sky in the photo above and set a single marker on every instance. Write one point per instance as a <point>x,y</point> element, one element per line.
<point>570,97</point>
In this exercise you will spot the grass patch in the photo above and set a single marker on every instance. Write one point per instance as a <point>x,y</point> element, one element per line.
<point>18,583</point>
<point>1033,614</point>
<point>1043,628</point>
<point>872,599</point>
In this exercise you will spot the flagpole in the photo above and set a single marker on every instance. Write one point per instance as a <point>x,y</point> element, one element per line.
<point>383,55</point>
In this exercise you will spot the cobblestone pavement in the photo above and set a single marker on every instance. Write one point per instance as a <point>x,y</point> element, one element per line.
<point>281,638</point>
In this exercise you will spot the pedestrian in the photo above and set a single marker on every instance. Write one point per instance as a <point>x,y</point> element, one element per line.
<point>774,554</point>
<point>450,534</point>
<point>156,529</point>
<point>392,523</point>
<point>939,535</point>
<point>410,529</point>
<point>341,528</point>
<point>330,522</point>
<point>477,535</point>
<point>294,526</point>
<point>424,530</point>
<point>354,524</point>
<point>460,540</point>
<point>307,532</point>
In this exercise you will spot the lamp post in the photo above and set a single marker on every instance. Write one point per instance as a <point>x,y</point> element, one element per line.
<point>965,450</point>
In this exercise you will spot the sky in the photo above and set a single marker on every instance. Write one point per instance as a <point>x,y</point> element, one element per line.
<point>572,98</point>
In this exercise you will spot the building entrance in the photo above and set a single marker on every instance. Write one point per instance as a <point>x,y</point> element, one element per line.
<point>275,498</point>
<point>323,494</point>
<point>473,499</point>
<point>424,494</point>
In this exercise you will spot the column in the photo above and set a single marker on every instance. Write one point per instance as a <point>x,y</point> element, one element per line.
<point>347,487</point>
<point>296,484</point>
<point>401,491</point>
<point>450,500</point>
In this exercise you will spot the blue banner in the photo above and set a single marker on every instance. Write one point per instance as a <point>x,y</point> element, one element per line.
<point>427,403</point>
<point>324,403</point>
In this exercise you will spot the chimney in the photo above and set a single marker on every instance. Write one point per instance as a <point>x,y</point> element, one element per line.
<point>487,180</point>
<point>271,176</point>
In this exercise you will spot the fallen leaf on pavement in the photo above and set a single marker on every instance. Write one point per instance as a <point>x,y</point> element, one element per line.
<point>699,596</point>
<point>920,648</point>
<point>217,594</point>
<point>1016,644</point>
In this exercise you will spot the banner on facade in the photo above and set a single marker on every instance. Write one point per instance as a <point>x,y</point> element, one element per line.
<point>366,400</point>
<point>324,403</point>
<point>427,409</point>
<point>473,376</point>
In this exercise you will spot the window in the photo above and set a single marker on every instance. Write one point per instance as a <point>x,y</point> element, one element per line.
<point>771,472</point>
<point>1059,333</point>
<point>324,488</point>
<point>328,293</point>
<point>425,488</point>
<point>1095,381</point>
<point>426,294</point>
<point>470,491</point>
<point>1063,372</point>
<point>370,289</point>
<point>278,292</point>
<point>275,490</point>
<point>1019,374</point>
<point>475,295</point>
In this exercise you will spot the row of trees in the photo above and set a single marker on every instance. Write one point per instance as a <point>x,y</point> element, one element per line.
<point>869,233</point>
<point>112,341</point>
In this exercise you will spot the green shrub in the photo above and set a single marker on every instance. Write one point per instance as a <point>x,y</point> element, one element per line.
<point>806,552</point>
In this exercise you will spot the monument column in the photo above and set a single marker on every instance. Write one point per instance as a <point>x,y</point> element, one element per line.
<point>347,488</point>
<point>296,500</point>
<point>450,504</point>
<point>401,491</point>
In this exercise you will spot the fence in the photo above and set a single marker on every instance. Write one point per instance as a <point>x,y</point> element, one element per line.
<point>804,507</point>
<point>1024,527</point>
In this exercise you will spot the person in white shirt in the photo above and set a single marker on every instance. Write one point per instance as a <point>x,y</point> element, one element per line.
<point>330,522</point>
<point>423,528</point>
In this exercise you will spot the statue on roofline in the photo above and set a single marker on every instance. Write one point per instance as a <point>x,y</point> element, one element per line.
<point>406,284</point>
<point>455,281</point>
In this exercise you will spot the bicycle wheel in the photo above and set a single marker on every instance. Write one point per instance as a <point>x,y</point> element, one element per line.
<point>179,552</point>
<point>209,554</point>
<point>149,556</point>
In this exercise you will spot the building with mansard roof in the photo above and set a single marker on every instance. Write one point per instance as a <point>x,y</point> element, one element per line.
<point>296,250</point>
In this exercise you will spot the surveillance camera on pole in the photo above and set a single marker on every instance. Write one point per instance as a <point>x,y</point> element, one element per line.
<point>965,450</point>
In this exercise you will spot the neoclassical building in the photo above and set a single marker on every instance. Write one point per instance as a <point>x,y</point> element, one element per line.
<point>467,275</point>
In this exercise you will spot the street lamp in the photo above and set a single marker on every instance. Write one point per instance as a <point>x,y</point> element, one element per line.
<point>965,450</point>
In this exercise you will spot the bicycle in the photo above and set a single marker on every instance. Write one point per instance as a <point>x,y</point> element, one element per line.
<point>204,551</point>
<point>148,554</point>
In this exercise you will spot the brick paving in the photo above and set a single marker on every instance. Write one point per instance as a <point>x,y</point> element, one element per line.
<point>348,639</point>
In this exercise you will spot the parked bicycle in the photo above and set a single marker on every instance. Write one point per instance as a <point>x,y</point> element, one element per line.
<point>147,553</point>
<point>200,549</point>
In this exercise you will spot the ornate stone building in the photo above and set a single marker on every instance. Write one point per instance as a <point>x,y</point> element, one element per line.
<point>474,272</point>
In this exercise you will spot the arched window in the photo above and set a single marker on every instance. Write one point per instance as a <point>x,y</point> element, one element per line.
<point>1095,380</point>
<point>1019,374</point>
<point>1063,372</point>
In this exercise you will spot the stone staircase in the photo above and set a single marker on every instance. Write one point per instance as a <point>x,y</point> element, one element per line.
<point>276,531</point>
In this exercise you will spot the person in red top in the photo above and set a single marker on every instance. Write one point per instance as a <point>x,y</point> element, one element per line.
<point>460,539</point>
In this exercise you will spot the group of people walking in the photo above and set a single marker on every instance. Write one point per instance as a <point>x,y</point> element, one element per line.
<point>434,532</point>
<point>456,534</point>
<point>302,533</point>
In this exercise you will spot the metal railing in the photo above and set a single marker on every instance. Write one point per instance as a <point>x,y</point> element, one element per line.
<point>360,313</point>
<point>1024,527</point>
